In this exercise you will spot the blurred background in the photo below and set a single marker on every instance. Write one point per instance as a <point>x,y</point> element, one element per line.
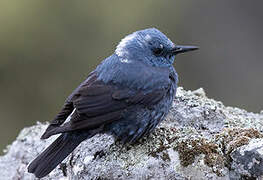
<point>48,47</point>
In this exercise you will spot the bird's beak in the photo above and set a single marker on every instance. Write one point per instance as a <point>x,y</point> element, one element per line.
<point>181,49</point>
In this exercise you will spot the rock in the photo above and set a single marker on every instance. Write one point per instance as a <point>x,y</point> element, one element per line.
<point>247,160</point>
<point>200,139</point>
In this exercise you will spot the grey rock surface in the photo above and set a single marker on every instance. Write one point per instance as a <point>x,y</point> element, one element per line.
<point>200,139</point>
<point>248,160</point>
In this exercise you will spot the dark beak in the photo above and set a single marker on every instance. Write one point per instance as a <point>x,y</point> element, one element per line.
<point>181,49</point>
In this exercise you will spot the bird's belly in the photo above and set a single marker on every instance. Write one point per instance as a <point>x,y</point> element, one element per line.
<point>139,120</point>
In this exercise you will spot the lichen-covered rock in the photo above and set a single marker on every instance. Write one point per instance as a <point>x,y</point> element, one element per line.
<point>200,139</point>
<point>247,160</point>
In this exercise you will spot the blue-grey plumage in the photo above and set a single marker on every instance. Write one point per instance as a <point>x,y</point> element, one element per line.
<point>140,119</point>
<point>127,95</point>
<point>136,66</point>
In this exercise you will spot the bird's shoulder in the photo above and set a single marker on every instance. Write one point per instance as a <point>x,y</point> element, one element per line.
<point>94,97</point>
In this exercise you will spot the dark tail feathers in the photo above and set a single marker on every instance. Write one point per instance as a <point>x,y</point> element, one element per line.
<point>56,153</point>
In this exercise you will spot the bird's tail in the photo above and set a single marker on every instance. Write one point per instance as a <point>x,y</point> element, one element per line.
<point>56,153</point>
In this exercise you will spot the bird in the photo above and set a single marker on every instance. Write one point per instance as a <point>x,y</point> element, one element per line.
<point>127,95</point>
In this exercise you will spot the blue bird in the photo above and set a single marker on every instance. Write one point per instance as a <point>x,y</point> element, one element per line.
<point>127,96</point>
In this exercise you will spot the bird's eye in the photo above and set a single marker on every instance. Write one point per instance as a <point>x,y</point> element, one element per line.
<point>158,51</point>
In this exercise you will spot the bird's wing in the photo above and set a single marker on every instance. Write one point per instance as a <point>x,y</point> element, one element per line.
<point>97,103</point>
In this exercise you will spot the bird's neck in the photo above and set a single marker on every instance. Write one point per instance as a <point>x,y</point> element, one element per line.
<point>132,74</point>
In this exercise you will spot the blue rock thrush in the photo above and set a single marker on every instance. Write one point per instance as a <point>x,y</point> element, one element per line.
<point>127,96</point>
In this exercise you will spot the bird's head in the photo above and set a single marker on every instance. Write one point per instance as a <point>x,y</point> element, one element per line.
<point>150,46</point>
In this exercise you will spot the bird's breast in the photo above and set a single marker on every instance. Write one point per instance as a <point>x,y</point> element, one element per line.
<point>139,120</point>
